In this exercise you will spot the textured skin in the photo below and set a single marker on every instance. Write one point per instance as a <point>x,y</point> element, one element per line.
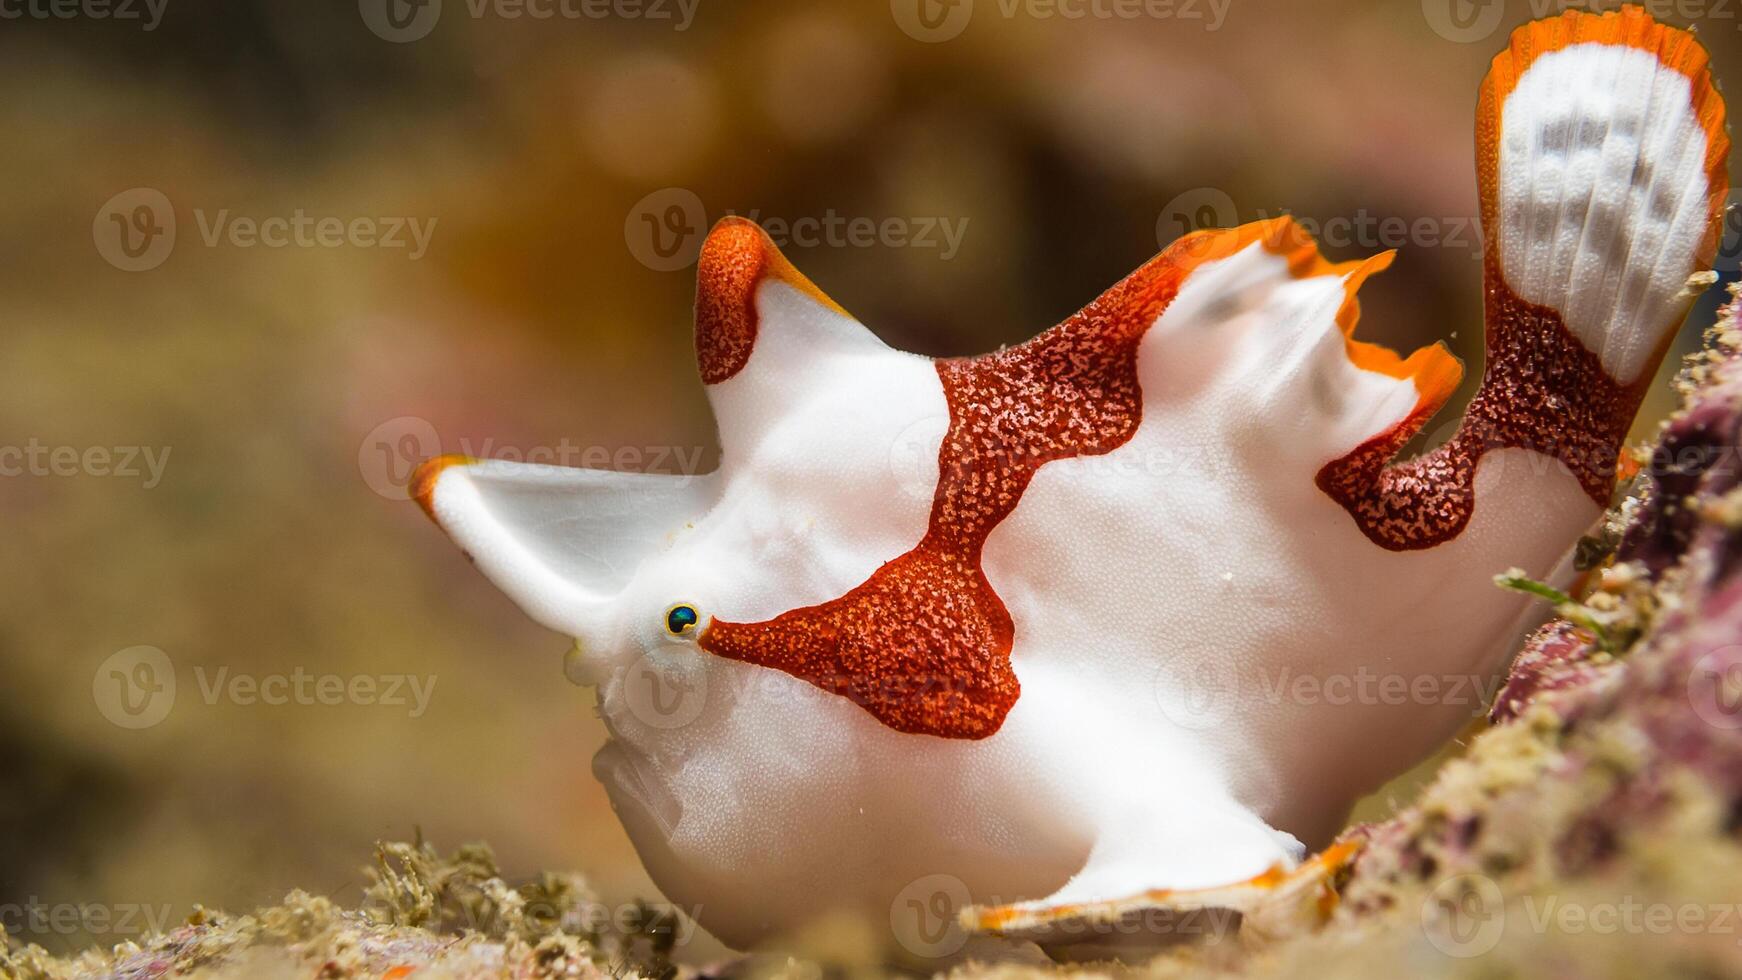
<point>1542,391</point>
<point>924,644</point>
<point>727,276</point>
<point>733,263</point>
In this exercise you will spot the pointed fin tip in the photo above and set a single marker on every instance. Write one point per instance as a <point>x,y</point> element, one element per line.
<point>737,257</point>
<point>423,479</point>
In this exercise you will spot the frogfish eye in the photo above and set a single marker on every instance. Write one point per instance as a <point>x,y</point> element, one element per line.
<point>681,619</point>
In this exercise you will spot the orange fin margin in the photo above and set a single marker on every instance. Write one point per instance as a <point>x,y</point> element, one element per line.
<point>423,480</point>
<point>1436,371</point>
<point>1633,27</point>
<point>1275,903</point>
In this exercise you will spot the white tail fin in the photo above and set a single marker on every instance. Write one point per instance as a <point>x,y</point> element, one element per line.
<point>1603,160</point>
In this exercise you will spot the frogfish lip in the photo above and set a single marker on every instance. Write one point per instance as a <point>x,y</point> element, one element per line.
<point>626,776</point>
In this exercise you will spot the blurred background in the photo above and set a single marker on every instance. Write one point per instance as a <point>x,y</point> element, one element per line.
<point>260,258</point>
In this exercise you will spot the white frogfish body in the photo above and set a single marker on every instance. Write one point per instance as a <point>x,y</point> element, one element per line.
<point>1126,616</point>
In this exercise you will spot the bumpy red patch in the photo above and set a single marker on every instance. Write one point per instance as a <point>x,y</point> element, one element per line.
<point>924,644</point>
<point>733,262</point>
<point>1541,390</point>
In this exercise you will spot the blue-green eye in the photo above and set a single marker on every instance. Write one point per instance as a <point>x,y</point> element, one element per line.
<point>680,619</point>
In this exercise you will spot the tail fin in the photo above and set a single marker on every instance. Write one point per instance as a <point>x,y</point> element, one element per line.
<point>1602,157</point>
<point>1602,154</point>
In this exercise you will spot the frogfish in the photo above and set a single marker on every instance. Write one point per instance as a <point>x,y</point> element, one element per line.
<point>1034,665</point>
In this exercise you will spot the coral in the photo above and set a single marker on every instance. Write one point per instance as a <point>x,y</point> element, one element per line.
<point>437,916</point>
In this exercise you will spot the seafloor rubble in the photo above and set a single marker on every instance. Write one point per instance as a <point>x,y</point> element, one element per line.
<point>1592,831</point>
<point>422,913</point>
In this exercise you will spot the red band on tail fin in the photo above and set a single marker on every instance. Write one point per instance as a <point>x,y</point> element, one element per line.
<point>1602,156</point>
